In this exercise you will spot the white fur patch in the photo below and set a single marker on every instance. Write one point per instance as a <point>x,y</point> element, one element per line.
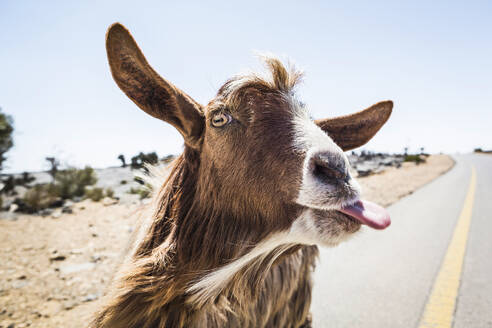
<point>310,139</point>
<point>303,231</point>
<point>213,283</point>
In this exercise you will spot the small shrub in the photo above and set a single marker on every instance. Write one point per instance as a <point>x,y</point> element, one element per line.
<point>68,184</point>
<point>33,198</point>
<point>54,164</point>
<point>139,160</point>
<point>168,158</point>
<point>9,185</point>
<point>72,182</point>
<point>143,192</point>
<point>109,193</point>
<point>121,157</point>
<point>6,136</point>
<point>95,194</point>
<point>10,182</point>
<point>26,178</point>
<point>39,197</point>
<point>414,158</point>
<point>123,182</point>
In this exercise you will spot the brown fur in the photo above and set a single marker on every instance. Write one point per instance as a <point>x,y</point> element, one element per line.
<point>223,196</point>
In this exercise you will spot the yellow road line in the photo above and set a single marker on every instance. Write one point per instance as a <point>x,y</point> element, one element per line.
<point>439,311</point>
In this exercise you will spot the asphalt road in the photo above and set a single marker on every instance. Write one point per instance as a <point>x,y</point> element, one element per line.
<point>384,278</point>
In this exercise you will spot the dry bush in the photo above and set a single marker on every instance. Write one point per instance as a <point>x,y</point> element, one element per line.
<point>141,159</point>
<point>68,184</point>
<point>143,192</point>
<point>39,197</point>
<point>414,158</point>
<point>109,193</point>
<point>72,182</point>
<point>95,194</point>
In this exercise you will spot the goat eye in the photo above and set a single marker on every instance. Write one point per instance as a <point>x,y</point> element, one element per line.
<point>221,119</point>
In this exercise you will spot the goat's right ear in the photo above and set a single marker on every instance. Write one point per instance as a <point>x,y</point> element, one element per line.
<point>153,94</point>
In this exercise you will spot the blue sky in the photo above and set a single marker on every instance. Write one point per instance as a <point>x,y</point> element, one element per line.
<point>432,58</point>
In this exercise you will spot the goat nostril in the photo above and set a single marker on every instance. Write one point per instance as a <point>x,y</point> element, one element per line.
<point>325,171</point>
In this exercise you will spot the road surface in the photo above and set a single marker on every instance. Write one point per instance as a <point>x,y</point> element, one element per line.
<point>403,276</point>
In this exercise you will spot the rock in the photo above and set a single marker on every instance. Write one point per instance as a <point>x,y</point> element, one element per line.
<point>68,305</point>
<point>13,207</point>
<point>57,202</point>
<point>90,298</point>
<point>107,201</point>
<point>96,258</point>
<point>389,161</point>
<point>366,168</point>
<point>58,257</point>
<point>45,212</point>
<point>22,206</point>
<point>56,214</point>
<point>19,190</point>
<point>67,209</point>
<point>76,251</point>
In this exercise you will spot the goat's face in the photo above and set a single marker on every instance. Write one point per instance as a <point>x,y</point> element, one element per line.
<point>248,152</point>
<point>260,152</point>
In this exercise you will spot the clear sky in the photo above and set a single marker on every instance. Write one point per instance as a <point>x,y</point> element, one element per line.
<point>432,58</point>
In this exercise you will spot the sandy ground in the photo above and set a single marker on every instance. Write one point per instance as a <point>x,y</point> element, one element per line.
<point>53,271</point>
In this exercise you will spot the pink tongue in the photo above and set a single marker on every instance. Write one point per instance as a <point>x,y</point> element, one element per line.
<point>368,213</point>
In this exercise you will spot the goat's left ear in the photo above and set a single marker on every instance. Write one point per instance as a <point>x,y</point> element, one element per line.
<point>153,94</point>
<point>354,130</point>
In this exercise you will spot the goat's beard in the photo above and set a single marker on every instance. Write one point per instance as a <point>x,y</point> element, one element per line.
<point>323,227</point>
<point>334,226</point>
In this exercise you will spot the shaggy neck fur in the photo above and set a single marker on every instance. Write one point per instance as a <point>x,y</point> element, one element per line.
<point>188,241</point>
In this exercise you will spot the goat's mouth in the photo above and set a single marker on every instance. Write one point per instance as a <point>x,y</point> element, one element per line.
<point>356,212</point>
<point>367,213</point>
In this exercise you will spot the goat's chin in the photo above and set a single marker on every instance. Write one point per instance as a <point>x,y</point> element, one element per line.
<point>326,228</point>
<point>334,227</point>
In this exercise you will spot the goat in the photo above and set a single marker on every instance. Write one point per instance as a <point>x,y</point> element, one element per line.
<point>233,232</point>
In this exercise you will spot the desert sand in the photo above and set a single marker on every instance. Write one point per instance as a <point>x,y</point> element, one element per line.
<point>54,270</point>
